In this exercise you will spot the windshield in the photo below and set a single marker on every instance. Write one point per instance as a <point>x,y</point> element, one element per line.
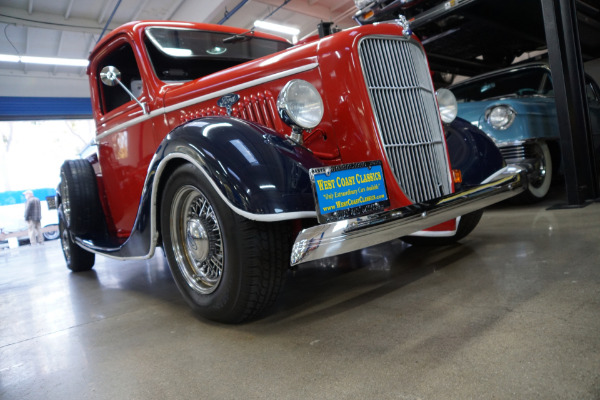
<point>186,54</point>
<point>513,83</point>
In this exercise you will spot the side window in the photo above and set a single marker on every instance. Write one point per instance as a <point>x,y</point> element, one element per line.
<point>114,96</point>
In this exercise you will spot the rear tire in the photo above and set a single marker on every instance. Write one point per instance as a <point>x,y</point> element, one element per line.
<point>228,268</point>
<point>78,260</point>
<point>466,225</point>
<point>82,211</point>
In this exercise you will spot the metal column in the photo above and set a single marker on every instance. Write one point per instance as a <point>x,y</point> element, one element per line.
<point>562,37</point>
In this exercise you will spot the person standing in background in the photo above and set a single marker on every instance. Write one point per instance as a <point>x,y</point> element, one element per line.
<point>33,216</point>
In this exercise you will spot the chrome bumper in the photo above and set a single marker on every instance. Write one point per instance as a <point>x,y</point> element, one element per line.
<point>341,237</point>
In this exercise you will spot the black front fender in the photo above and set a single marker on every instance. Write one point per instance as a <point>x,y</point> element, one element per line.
<point>258,173</point>
<point>472,152</point>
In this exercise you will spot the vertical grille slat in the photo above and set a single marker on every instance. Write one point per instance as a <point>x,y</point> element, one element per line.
<point>403,101</point>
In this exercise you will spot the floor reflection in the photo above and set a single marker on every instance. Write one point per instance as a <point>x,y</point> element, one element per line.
<point>335,284</point>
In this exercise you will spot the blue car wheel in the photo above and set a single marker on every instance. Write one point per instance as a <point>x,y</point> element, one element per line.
<point>541,176</point>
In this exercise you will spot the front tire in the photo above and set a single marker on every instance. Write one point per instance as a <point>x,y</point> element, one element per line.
<point>228,268</point>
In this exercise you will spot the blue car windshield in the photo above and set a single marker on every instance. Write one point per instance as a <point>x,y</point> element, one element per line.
<point>514,83</point>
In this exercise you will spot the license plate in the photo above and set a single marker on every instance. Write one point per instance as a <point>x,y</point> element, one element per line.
<point>349,190</point>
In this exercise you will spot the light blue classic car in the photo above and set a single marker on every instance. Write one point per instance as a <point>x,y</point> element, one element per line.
<point>516,108</point>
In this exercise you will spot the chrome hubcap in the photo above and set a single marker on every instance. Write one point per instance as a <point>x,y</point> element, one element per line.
<point>196,239</point>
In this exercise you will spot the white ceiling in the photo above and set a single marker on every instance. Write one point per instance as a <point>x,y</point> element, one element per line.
<point>71,28</point>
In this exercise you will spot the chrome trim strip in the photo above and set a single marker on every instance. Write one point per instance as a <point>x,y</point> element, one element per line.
<point>243,86</point>
<point>210,96</point>
<point>129,123</point>
<point>353,234</point>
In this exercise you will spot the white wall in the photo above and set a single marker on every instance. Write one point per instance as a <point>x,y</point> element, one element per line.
<point>31,152</point>
<point>38,84</point>
<point>12,217</point>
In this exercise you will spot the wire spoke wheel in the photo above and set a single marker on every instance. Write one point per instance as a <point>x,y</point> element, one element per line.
<point>196,236</point>
<point>228,268</point>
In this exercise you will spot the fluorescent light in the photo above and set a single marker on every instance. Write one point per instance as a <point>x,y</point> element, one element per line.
<point>69,62</point>
<point>9,58</point>
<point>55,61</point>
<point>177,52</point>
<point>276,27</point>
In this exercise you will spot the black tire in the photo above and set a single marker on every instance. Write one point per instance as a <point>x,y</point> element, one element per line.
<point>228,268</point>
<point>78,260</point>
<point>79,198</point>
<point>540,178</point>
<point>466,225</point>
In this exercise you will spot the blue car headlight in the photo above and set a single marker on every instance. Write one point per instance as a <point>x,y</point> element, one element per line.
<point>500,116</point>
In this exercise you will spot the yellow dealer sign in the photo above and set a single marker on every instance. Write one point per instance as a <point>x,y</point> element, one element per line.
<point>349,190</point>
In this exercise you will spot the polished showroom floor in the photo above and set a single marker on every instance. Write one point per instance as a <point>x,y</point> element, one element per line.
<point>513,312</point>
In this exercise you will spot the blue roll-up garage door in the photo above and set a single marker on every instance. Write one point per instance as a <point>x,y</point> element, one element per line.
<point>38,108</point>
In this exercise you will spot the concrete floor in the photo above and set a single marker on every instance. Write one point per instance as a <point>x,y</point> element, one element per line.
<point>511,313</point>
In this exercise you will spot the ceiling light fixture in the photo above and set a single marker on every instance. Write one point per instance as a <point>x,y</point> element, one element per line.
<point>68,62</point>
<point>276,27</point>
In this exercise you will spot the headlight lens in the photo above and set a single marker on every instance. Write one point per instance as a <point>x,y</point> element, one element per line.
<point>447,104</point>
<point>300,104</point>
<point>360,4</point>
<point>500,117</point>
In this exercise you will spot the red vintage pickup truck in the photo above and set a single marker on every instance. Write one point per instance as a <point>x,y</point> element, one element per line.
<point>242,155</point>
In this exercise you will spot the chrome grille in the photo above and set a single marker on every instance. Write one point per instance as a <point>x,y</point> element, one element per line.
<point>397,78</point>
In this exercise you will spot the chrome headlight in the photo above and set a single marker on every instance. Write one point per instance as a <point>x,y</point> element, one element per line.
<point>447,104</point>
<point>299,104</point>
<point>500,117</point>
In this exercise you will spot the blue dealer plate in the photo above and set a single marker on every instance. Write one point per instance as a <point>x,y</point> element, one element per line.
<point>349,190</point>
